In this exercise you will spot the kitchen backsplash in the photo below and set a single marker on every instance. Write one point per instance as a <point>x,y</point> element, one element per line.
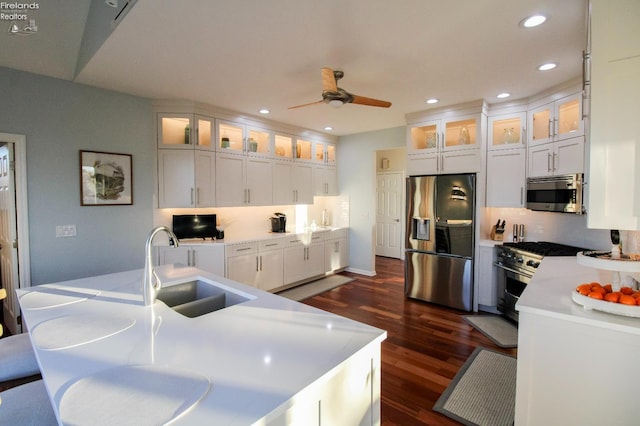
<point>561,228</point>
<point>249,222</point>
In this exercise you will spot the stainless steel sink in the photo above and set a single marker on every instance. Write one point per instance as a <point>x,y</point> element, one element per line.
<point>195,298</point>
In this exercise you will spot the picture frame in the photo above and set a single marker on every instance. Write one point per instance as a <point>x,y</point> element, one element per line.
<point>106,178</point>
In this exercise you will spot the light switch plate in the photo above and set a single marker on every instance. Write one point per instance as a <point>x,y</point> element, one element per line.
<point>65,231</point>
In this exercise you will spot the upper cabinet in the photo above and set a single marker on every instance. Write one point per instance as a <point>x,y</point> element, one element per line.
<point>184,131</point>
<point>244,139</point>
<point>446,141</point>
<point>556,120</point>
<point>507,131</point>
<point>614,135</point>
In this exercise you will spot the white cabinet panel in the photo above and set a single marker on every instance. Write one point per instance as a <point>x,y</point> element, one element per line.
<point>176,170</point>
<point>506,178</point>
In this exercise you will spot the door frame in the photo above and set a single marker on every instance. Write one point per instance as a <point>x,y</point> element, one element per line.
<point>22,206</point>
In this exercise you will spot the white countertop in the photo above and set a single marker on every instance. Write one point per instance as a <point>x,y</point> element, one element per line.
<point>257,355</point>
<point>549,293</point>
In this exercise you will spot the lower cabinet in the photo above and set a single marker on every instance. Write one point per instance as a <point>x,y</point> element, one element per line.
<point>303,261</point>
<point>208,257</point>
<point>350,396</point>
<point>336,253</point>
<point>259,264</point>
<point>487,279</point>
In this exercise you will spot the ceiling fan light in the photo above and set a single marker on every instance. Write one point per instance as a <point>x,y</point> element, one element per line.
<point>336,103</point>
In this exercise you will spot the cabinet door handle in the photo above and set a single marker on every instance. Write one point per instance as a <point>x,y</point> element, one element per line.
<point>548,161</point>
<point>249,196</point>
<point>257,264</point>
<point>197,137</point>
<point>197,196</point>
<point>243,249</point>
<point>442,163</point>
<point>555,127</point>
<point>550,128</point>
<point>191,257</point>
<point>191,196</point>
<point>261,262</point>
<point>553,160</point>
<point>523,138</point>
<point>521,196</point>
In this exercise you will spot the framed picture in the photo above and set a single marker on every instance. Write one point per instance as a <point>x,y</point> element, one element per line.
<point>106,179</point>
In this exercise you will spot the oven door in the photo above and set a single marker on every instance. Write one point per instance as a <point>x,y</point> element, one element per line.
<point>511,284</point>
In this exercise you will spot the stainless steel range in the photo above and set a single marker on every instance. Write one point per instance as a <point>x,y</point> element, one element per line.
<point>516,265</point>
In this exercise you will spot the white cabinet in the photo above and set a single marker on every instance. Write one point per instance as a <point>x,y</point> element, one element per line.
<point>292,183</point>
<point>336,251</point>
<point>244,138</point>
<point>487,279</point>
<point>506,178</point>
<point>184,131</point>
<point>325,180</point>
<point>445,141</point>
<point>557,158</point>
<point>303,261</point>
<point>186,178</point>
<point>324,152</point>
<point>614,134</point>
<point>259,264</point>
<point>208,257</point>
<point>507,131</point>
<point>243,180</point>
<point>556,120</point>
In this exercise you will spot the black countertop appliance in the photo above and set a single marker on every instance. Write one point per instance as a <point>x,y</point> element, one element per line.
<point>279,222</point>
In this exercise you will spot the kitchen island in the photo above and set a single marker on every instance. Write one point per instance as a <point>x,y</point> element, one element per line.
<point>107,358</point>
<point>575,366</point>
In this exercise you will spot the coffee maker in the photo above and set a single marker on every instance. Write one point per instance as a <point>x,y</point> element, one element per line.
<point>279,222</point>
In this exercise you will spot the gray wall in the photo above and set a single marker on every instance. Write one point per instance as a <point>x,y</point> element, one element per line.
<point>59,119</point>
<point>357,180</point>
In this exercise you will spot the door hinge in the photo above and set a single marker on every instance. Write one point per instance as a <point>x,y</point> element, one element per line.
<point>12,165</point>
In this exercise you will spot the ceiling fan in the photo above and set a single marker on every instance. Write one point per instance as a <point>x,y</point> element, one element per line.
<point>336,96</point>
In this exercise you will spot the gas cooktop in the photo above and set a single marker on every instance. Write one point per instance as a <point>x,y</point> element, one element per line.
<point>545,248</point>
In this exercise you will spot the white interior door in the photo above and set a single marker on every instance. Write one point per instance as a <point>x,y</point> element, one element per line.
<point>8,239</point>
<point>390,191</point>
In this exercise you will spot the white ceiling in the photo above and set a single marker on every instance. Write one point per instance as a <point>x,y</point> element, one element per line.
<point>247,54</point>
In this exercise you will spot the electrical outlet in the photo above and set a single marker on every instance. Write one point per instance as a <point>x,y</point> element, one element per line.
<point>65,231</point>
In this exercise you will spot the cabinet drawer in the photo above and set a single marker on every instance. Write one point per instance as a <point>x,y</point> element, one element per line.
<point>271,244</point>
<point>242,249</point>
<point>337,233</point>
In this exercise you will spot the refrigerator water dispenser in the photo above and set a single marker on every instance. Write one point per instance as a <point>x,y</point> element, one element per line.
<point>421,227</point>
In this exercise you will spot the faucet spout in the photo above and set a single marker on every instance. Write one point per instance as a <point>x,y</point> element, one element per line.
<point>152,284</point>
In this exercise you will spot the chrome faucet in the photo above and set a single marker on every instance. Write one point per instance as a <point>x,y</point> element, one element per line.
<point>152,284</point>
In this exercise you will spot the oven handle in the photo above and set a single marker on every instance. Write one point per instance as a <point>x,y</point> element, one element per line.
<point>506,268</point>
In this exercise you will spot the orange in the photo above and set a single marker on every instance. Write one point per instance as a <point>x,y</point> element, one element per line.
<point>626,299</point>
<point>584,289</point>
<point>626,290</point>
<point>598,289</point>
<point>600,296</point>
<point>608,288</point>
<point>612,297</point>
<point>636,294</point>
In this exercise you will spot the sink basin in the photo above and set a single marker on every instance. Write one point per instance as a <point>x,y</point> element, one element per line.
<point>198,297</point>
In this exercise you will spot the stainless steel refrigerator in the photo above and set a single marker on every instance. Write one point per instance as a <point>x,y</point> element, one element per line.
<point>440,239</point>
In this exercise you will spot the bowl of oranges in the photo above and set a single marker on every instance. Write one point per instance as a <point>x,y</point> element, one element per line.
<point>602,297</point>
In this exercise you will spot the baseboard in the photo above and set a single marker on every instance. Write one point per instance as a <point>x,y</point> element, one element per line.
<point>362,272</point>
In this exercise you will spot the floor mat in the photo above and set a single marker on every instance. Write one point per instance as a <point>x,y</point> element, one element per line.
<point>499,330</point>
<point>483,392</point>
<point>315,287</point>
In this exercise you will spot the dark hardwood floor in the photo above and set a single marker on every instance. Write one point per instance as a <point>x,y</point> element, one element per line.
<point>425,347</point>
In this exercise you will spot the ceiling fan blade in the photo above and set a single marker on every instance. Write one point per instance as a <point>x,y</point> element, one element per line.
<point>304,105</point>
<point>362,100</point>
<point>329,80</point>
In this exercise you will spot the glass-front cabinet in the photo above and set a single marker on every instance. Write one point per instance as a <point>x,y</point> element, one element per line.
<point>507,131</point>
<point>184,131</point>
<point>304,150</point>
<point>233,137</point>
<point>460,134</point>
<point>423,138</point>
<point>558,120</point>
<point>283,147</point>
<point>324,153</point>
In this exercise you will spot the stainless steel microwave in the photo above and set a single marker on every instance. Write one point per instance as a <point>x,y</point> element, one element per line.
<point>556,194</point>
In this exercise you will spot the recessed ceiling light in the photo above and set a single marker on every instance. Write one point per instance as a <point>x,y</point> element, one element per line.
<point>432,101</point>
<point>503,95</point>
<point>328,128</point>
<point>547,66</point>
<point>533,21</point>
<point>264,111</point>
